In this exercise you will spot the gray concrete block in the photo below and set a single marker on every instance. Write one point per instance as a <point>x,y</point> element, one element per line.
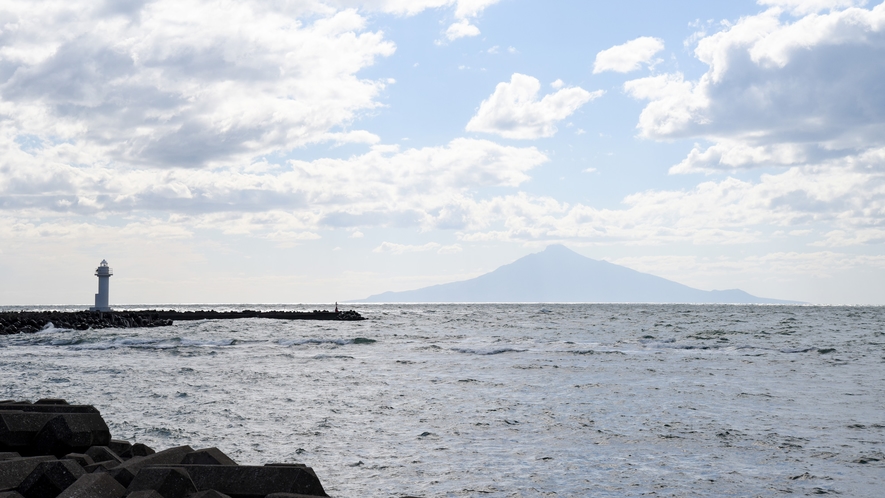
<point>171,456</point>
<point>8,455</point>
<point>34,408</point>
<point>49,479</point>
<point>209,494</point>
<point>99,467</point>
<point>80,458</point>
<point>10,494</point>
<point>14,471</point>
<point>207,456</point>
<point>148,493</point>
<point>103,454</point>
<point>71,433</point>
<point>137,450</point>
<point>170,482</point>
<point>94,486</point>
<point>17,428</point>
<point>119,446</point>
<point>123,476</point>
<point>255,482</point>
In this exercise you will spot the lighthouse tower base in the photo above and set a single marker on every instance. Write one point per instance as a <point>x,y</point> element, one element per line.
<point>102,298</point>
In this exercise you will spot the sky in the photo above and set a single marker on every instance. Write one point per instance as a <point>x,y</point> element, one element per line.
<point>312,151</point>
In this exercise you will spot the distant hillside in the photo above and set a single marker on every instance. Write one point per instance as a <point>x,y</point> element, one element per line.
<point>559,274</point>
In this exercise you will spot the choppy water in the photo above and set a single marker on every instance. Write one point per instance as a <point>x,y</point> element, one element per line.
<point>500,400</point>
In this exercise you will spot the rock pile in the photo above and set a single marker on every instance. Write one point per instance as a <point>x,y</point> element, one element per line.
<point>51,449</point>
<point>34,321</point>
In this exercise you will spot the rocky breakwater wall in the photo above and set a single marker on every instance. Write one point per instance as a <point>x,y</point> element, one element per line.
<point>34,321</point>
<point>51,449</point>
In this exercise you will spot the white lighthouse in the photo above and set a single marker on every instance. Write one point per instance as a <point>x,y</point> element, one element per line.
<point>103,272</point>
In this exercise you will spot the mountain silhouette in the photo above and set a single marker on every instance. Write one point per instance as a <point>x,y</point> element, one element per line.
<point>559,274</point>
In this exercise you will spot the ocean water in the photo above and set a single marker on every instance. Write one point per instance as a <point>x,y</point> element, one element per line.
<point>500,400</point>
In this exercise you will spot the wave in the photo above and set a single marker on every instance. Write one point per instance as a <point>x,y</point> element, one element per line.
<point>320,341</point>
<point>487,352</point>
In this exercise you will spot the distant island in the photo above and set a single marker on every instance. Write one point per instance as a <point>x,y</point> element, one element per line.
<point>559,274</point>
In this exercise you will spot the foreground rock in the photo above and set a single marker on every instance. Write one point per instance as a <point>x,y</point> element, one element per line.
<point>34,321</point>
<point>51,449</point>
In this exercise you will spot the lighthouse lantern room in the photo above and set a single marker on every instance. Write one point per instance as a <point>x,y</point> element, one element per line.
<point>103,272</point>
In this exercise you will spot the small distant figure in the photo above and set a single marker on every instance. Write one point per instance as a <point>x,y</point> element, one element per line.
<point>336,306</point>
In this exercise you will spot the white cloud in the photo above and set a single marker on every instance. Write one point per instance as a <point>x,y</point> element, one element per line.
<point>357,235</point>
<point>193,84</point>
<point>452,249</point>
<point>473,8</point>
<point>463,8</point>
<point>804,7</point>
<point>777,93</point>
<point>386,186</point>
<point>556,85</point>
<point>393,248</point>
<point>514,111</point>
<point>461,29</point>
<point>628,57</point>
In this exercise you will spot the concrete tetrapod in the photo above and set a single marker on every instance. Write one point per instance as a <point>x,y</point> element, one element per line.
<point>96,466</point>
<point>207,456</point>
<point>49,479</point>
<point>14,471</point>
<point>94,486</point>
<point>244,481</point>
<point>18,428</point>
<point>209,494</point>
<point>71,433</point>
<point>170,482</point>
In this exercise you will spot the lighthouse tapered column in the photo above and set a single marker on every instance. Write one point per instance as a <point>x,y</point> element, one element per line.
<point>103,272</point>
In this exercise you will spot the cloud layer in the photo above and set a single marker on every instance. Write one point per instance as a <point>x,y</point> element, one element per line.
<point>777,92</point>
<point>182,84</point>
<point>514,110</point>
<point>628,57</point>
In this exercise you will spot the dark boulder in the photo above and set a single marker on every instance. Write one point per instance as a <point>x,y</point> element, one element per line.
<point>49,479</point>
<point>148,493</point>
<point>255,482</point>
<point>170,482</point>
<point>71,433</point>
<point>94,486</point>
<point>137,450</point>
<point>119,447</point>
<point>103,454</point>
<point>211,493</point>
<point>122,476</point>
<point>35,408</point>
<point>82,460</point>
<point>18,428</point>
<point>99,467</point>
<point>14,471</point>
<point>207,456</point>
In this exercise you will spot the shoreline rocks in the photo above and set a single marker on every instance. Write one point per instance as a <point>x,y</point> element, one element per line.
<point>50,449</point>
<point>17,322</point>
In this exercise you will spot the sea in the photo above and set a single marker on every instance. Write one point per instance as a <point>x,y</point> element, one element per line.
<point>498,400</point>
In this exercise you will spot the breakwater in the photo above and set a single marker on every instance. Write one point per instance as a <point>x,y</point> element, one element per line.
<point>34,321</point>
<point>53,449</point>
